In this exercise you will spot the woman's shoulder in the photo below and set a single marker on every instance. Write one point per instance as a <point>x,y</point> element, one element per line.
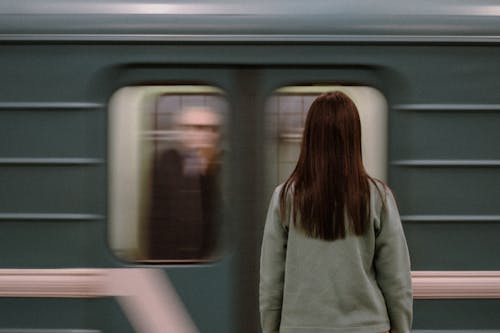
<point>382,198</point>
<point>379,187</point>
<point>281,187</point>
<point>276,194</point>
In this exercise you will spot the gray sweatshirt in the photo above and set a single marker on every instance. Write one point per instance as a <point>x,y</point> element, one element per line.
<point>360,284</point>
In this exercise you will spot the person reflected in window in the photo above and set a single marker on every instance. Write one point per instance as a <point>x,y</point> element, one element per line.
<point>185,189</point>
<point>334,256</point>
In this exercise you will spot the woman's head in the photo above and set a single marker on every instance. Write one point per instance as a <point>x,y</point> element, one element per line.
<point>332,135</point>
<point>330,185</point>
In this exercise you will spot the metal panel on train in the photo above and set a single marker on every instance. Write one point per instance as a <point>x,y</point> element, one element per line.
<point>435,64</point>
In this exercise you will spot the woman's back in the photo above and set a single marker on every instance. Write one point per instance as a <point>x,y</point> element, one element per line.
<point>331,286</point>
<point>358,282</point>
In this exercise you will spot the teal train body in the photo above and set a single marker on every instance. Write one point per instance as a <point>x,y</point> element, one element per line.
<point>436,63</point>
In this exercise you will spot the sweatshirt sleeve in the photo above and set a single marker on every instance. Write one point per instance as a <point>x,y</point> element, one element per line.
<point>272,267</point>
<point>392,265</point>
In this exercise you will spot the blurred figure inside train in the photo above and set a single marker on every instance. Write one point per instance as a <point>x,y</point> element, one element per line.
<point>185,194</point>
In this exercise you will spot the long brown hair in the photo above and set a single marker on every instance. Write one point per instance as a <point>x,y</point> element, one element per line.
<point>329,186</point>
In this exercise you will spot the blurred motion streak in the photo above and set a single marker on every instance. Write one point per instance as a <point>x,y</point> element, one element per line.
<point>145,295</point>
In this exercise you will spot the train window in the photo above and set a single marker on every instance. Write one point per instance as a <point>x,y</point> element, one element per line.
<point>286,113</point>
<point>165,173</point>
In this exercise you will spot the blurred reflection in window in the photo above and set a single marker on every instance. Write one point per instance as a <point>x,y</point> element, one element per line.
<point>185,187</point>
<point>166,154</point>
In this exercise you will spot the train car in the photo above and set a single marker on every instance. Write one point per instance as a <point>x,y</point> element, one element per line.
<point>95,94</point>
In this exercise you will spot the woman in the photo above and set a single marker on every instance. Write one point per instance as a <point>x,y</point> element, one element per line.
<point>334,257</point>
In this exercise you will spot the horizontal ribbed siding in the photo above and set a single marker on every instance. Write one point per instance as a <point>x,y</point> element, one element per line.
<point>445,171</point>
<point>51,161</point>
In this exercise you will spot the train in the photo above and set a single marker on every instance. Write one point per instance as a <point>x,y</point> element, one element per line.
<point>94,92</point>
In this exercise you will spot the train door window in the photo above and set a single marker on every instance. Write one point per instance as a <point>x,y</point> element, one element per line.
<point>165,173</point>
<point>286,113</point>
